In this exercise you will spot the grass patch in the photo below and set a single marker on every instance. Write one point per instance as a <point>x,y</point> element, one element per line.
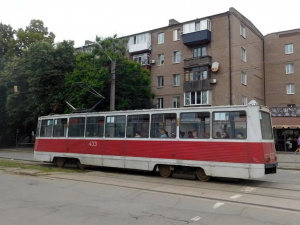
<point>46,168</point>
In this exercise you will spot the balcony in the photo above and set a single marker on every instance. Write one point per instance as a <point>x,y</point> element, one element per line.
<point>202,37</point>
<point>195,62</point>
<point>196,85</point>
<point>139,43</point>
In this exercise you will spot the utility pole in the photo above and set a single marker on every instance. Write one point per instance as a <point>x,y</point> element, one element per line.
<point>112,85</point>
<point>113,79</point>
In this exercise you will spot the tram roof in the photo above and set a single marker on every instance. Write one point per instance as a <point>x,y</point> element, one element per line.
<point>164,110</point>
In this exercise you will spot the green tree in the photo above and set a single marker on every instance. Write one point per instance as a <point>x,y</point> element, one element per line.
<point>34,32</point>
<point>7,43</point>
<point>94,70</point>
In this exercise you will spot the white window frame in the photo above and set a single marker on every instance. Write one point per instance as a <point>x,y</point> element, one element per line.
<point>244,100</point>
<point>244,78</point>
<point>243,54</point>
<point>290,89</point>
<point>188,98</point>
<point>160,81</point>
<point>176,57</point>
<point>160,103</point>
<point>161,38</point>
<point>289,68</point>
<point>161,59</point>
<point>176,34</point>
<point>243,31</point>
<point>176,80</point>
<point>289,49</point>
<point>175,102</point>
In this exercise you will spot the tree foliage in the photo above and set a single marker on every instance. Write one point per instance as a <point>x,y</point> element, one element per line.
<point>132,82</point>
<point>37,70</point>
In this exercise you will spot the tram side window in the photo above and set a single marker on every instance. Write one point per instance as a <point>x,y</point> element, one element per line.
<point>194,125</point>
<point>95,126</point>
<point>76,127</point>
<point>115,126</point>
<point>138,126</point>
<point>265,124</point>
<point>231,125</point>
<point>46,128</point>
<point>60,127</point>
<point>163,125</point>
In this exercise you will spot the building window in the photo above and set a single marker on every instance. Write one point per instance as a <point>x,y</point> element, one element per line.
<point>290,89</point>
<point>143,59</point>
<point>243,31</point>
<point>197,75</point>
<point>160,81</point>
<point>175,102</point>
<point>161,59</point>
<point>289,68</point>
<point>176,57</point>
<point>244,100</point>
<point>199,52</point>
<point>176,80</point>
<point>244,78</point>
<point>243,54</point>
<point>289,49</point>
<point>161,38</point>
<point>160,103</point>
<point>196,98</point>
<point>176,34</point>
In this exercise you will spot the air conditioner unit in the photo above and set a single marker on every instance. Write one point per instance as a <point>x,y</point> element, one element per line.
<point>152,61</point>
<point>213,81</point>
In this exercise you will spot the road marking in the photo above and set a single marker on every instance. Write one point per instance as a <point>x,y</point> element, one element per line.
<point>196,218</point>
<point>235,196</point>
<point>249,189</point>
<point>217,205</point>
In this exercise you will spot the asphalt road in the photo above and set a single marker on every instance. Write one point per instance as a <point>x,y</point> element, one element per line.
<point>114,196</point>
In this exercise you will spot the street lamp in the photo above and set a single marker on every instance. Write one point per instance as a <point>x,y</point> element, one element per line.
<point>113,79</point>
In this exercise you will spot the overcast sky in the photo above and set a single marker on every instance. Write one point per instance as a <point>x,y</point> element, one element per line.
<point>81,20</point>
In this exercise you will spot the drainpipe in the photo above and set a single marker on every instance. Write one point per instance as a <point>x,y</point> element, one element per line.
<point>264,66</point>
<point>229,40</point>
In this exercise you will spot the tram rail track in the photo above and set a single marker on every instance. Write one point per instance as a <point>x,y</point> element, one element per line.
<point>245,189</point>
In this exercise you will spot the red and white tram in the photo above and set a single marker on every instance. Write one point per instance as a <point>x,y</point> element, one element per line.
<point>222,141</point>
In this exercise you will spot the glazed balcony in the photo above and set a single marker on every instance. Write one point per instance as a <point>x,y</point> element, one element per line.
<point>202,37</point>
<point>199,61</point>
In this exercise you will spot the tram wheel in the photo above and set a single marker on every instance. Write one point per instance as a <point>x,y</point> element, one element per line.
<point>200,173</point>
<point>60,162</point>
<point>164,170</point>
<point>80,166</point>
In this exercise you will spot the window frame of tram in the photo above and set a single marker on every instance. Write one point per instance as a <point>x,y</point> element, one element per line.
<point>60,127</point>
<point>194,125</point>
<point>76,127</point>
<point>138,126</point>
<point>46,128</point>
<point>94,126</point>
<point>115,126</point>
<point>233,124</point>
<point>165,121</point>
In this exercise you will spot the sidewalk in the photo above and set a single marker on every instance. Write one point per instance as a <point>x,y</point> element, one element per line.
<point>285,160</point>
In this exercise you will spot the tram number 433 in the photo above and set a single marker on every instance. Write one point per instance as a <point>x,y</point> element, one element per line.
<point>93,143</point>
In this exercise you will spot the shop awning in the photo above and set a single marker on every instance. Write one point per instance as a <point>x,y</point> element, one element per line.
<point>286,122</point>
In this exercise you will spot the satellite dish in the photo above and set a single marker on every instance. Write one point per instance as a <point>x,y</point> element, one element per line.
<point>215,67</point>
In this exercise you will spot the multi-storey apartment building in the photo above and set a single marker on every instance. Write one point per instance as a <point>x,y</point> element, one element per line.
<point>281,58</point>
<point>223,59</point>
<point>215,60</point>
